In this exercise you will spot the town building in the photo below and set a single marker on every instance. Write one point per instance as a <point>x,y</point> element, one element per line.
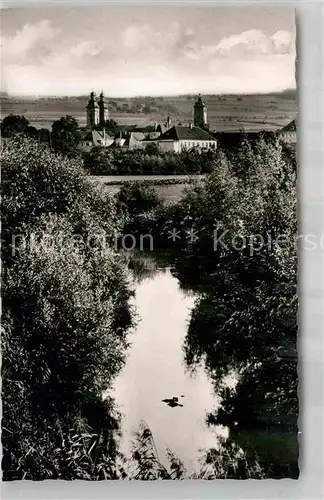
<point>288,134</point>
<point>128,140</point>
<point>180,138</point>
<point>167,137</point>
<point>92,138</point>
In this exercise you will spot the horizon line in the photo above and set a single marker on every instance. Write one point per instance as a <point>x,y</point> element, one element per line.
<point>7,94</point>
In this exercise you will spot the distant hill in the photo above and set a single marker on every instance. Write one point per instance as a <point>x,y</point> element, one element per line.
<point>225,112</point>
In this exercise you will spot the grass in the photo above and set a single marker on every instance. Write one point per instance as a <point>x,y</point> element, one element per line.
<point>169,187</point>
<point>154,180</point>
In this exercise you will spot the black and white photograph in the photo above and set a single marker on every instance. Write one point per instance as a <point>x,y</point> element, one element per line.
<point>149,243</point>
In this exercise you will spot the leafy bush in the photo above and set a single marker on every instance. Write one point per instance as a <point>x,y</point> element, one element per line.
<point>137,197</point>
<point>98,161</point>
<point>66,314</point>
<point>227,462</point>
<point>14,124</point>
<point>148,161</point>
<point>246,315</point>
<point>36,182</point>
<point>66,136</point>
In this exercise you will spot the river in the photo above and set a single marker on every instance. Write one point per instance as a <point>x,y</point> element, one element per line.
<point>155,370</point>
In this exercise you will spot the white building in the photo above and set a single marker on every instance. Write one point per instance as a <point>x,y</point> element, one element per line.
<point>180,138</point>
<point>288,133</point>
<point>92,138</point>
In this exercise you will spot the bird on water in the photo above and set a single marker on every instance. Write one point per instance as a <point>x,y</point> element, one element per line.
<point>172,402</point>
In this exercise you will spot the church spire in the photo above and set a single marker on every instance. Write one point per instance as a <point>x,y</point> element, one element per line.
<point>92,111</point>
<point>200,113</point>
<point>103,110</point>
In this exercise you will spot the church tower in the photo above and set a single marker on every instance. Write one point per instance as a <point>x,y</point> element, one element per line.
<point>92,112</point>
<point>200,113</point>
<point>103,110</point>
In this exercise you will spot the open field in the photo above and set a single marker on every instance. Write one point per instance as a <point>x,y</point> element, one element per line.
<point>168,192</point>
<point>154,179</point>
<point>225,112</point>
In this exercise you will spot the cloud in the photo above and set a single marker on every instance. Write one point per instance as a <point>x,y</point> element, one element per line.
<point>255,42</point>
<point>135,37</point>
<point>86,48</point>
<point>179,42</point>
<point>170,43</point>
<point>142,60</point>
<point>31,38</point>
<point>35,44</point>
<point>247,45</point>
<point>284,42</point>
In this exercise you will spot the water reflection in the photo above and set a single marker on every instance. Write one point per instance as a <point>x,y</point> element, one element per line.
<point>246,327</point>
<point>155,369</point>
<point>188,324</point>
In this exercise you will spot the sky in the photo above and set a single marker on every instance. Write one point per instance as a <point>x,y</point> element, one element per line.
<point>147,51</point>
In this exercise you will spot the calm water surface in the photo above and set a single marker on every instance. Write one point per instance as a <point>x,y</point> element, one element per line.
<point>155,370</point>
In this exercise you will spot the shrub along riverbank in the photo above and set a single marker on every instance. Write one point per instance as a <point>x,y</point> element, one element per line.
<point>65,319</point>
<point>235,237</point>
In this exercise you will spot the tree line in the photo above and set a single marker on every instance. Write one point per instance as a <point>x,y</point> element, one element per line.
<point>65,136</point>
<point>65,317</point>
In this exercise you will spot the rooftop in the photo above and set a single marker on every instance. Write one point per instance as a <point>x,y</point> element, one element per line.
<point>290,127</point>
<point>177,133</point>
<point>94,135</point>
